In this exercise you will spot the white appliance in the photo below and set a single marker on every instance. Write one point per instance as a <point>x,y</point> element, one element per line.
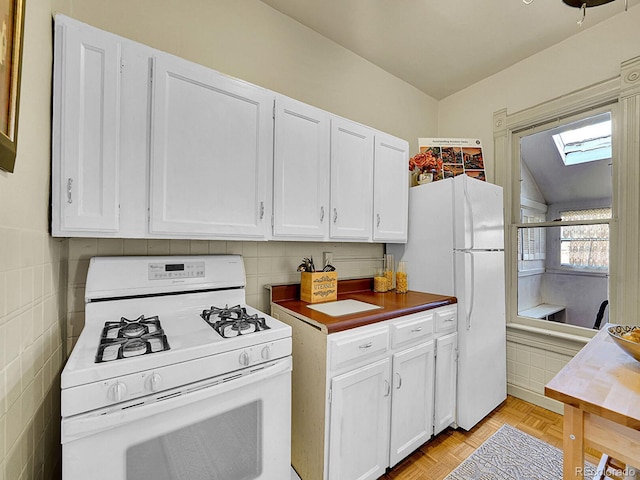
<point>175,377</point>
<point>456,247</point>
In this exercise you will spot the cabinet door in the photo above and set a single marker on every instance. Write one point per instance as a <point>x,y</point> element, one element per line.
<point>211,156</point>
<point>351,180</point>
<point>359,423</point>
<point>390,189</point>
<point>446,377</point>
<point>86,125</point>
<point>301,171</point>
<point>412,400</point>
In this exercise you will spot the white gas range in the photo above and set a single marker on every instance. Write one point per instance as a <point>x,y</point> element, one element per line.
<point>174,376</point>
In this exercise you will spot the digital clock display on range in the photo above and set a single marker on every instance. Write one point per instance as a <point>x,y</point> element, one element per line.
<point>174,267</point>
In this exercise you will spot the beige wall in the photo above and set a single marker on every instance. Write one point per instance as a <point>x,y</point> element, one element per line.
<point>242,38</point>
<point>249,40</point>
<point>32,278</point>
<point>246,39</point>
<point>590,57</point>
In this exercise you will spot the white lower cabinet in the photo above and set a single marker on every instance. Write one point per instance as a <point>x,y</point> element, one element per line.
<point>445,381</point>
<point>412,401</point>
<point>365,398</point>
<point>359,430</point>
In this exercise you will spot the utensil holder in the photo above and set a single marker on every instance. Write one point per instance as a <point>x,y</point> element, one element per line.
<point>318,286</point>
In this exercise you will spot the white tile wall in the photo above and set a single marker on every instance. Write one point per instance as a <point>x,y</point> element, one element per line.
<point>33,286</point>
<point>530,367</point>
<point>265,263</point>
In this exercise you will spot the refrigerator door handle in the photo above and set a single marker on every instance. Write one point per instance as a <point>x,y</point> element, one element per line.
<point>469,312</point>
<point>470,205</point>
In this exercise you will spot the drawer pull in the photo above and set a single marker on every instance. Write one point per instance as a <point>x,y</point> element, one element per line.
<point>417,329</point>
<point>450,319</point>
<point>366,345</point>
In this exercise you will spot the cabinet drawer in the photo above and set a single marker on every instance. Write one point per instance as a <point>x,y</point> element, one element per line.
<point>353,348</point>
<point>413,327</point>
<point>446,319</point>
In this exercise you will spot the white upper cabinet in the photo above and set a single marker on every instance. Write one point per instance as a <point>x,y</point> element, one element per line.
<point>351,180</point>
<point>211,153</point>
<point>390,189</point>
<point>149,145</point>
<point>86,113</point>
<point>301,171</point>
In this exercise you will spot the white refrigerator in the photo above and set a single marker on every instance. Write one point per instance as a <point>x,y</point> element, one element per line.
<point>456,247</point>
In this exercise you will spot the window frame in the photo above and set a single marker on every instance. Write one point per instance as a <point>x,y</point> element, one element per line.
<point>508,131</point>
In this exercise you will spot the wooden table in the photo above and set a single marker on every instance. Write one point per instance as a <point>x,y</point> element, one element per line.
<point>600,388</point>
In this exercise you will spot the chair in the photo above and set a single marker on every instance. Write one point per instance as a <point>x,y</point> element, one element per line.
<point>603,306</point>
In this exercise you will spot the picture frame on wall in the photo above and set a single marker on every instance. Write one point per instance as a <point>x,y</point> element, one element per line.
<point>11,38</point>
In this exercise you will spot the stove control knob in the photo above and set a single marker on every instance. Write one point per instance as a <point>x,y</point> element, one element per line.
<point>155,382</point>
<point>117,392</point>
<point>245,359</point>
<point>266,352</point>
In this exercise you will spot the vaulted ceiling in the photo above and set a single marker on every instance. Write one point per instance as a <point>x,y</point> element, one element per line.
<point>443,46</point>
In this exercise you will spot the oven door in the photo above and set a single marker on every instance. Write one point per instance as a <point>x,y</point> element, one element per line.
<point>236,426</point>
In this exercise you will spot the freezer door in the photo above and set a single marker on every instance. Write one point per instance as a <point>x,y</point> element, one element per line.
<point>482,363</point>
<point>478,215</point>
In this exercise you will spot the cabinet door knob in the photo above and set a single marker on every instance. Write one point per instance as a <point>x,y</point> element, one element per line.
<point>399,381</point>
<point>69,186</point>
<point>321,214</point>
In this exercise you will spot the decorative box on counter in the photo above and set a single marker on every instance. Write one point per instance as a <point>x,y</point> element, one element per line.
<point>318,286</point>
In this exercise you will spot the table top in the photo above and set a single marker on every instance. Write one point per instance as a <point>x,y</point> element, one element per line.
<point>601,379</point>
<point>542,310</point>
<point>392,304</point>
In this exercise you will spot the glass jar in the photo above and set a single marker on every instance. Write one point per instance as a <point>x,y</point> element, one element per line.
<point>380,282</point>
<point>389,267</point>
<point>402,282</point>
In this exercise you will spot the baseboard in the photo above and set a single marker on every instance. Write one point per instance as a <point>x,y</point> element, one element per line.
<point>535,398</point>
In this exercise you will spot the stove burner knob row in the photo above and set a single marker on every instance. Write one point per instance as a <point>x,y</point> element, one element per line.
<point>117,392</point>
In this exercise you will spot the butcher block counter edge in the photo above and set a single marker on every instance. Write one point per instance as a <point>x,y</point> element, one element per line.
<point>393,304</point>
<point>601,379</point>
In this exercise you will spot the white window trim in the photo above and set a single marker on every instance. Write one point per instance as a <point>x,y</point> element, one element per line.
<point>620,94</point>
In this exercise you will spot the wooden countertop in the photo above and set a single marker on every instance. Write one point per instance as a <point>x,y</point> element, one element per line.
<point>601,379</point>
<point>393,304</point>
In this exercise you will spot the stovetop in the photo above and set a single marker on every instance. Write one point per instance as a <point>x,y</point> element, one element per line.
<point>179,319</point>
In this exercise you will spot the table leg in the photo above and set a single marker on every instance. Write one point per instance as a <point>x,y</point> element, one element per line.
<point>573,443</point>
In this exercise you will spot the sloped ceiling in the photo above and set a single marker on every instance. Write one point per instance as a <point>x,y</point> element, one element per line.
<point>559,183</point>
<point>443,46</point>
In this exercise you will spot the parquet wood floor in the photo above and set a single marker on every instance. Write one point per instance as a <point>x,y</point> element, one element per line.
<point>437,458</point>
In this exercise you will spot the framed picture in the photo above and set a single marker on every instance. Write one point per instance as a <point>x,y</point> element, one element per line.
<point>11,36</point>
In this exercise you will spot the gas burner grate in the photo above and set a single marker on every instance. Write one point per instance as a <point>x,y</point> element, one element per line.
<point>131,338</point>
<point>230,322</point>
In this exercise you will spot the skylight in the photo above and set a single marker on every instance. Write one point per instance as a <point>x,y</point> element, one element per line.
<point>585,144</point>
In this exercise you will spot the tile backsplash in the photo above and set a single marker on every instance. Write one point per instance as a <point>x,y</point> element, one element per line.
<point>265,263</point>
<point>33,309</point>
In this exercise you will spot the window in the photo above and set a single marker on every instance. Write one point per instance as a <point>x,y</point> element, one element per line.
<point>563,225</point>
<point>587,143</point>
<point>585,246</point>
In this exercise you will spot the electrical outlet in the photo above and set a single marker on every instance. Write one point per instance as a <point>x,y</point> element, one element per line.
<point>327,258</point>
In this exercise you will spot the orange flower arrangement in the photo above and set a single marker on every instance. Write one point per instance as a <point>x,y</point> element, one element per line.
<point>425,162</point>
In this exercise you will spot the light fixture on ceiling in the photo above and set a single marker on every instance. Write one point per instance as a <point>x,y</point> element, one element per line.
<point>583,5</point>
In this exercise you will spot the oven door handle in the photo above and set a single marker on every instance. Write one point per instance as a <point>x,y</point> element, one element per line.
<point>79,426</point>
